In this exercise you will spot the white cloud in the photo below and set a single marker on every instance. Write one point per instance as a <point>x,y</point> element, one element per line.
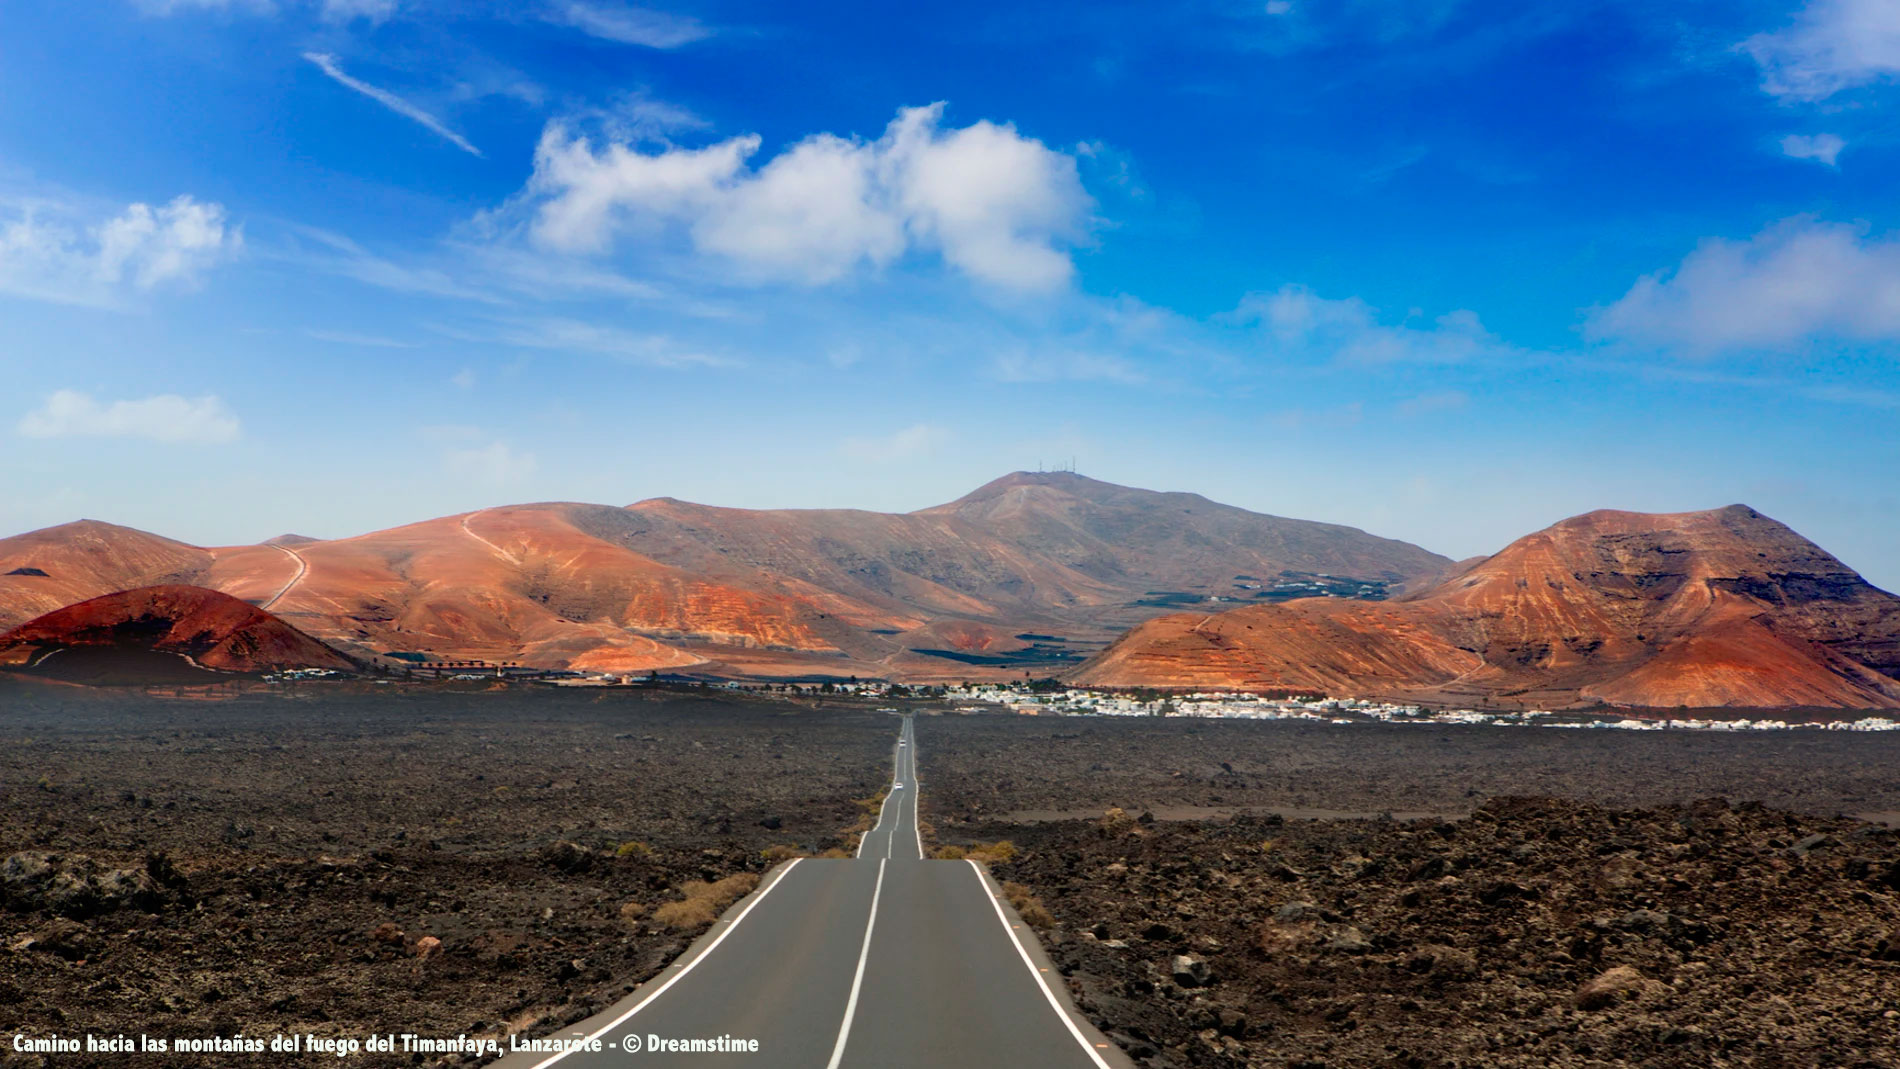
<point>165,418</point>
<point>46,255</point>
<point>1279,7</point>
<point>496,463</point>
<point>328,65</point>
<point>1831,46</point>
<point>1798,279</point>
<point>998,206</point>
<point>916,440</point>
<point>345,10</point>
<point>1821,148</point>
<point>629,25</point>
<point>1348,331</point>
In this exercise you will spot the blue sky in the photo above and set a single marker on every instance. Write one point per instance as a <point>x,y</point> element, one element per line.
<point>1448,270</point>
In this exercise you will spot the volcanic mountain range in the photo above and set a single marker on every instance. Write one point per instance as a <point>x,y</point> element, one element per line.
<point>1034,569</point>
<point>1037,572</point>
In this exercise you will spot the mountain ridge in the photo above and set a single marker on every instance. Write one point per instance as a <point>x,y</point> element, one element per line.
<point>1708,608</point>
<point>664,583</point>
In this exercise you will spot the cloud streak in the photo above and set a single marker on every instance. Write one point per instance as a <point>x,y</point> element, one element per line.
<point>166,418</point>
<point>328,65</point>
<point>629,25</point>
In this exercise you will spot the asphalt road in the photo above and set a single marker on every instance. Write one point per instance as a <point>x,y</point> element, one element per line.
<point>887,960</point>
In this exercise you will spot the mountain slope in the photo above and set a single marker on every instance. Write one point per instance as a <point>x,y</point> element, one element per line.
<point>210,630</point>
<point>46,569</point>
<point>669,584</point>
<point>1720,608</point>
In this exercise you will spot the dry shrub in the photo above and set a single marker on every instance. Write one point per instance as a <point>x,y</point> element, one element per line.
<point>702,902</point>
<point>949,853</point>
<point>1001,852</point>
<point>1028,906</point>
<point>631,913</point>
<point>837,852</point>
<point>1115,821</point>
<point>781,852</point>
<point>633,848</point>
<point>691,913</point>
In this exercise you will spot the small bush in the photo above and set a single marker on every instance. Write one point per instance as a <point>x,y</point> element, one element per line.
<point>1001,852</point>
<point>633,848</point>
<point>1115,820</point>
<point>781,852</point>
<point>1028,906</point>
<point>949,853</point>
<point>631,913</point>
<point>691,913</point>
<point>702,902</point>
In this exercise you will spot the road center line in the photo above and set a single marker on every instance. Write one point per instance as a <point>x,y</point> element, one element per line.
<point>857,982</point>
<point>1033,971</point>
<point>710,947</point>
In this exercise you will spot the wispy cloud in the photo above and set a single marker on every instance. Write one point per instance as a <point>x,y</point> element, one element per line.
<point>909,443</point>
<point>1437,401</point>
<point>629,25</point>
<point>1821,148</point>
<point>371,341</point>
<point>328,65</point>
<point>496,463</point>
<point>1831,46</point>
<point>566,335</point>
<point>1299,323</point>
<point>1066,366</point>
<point>165,418</point>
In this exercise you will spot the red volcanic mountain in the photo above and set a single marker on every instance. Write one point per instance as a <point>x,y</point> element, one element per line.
<point>1032,569</point>
<point>202,627</point>
<point>1718,608</point>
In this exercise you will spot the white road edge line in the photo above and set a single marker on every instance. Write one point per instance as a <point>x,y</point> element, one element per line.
<point>879,824</point>
<point>1033,971</point>
<point>857,982</point>
<point>916,818</point>
<point>675,978</point>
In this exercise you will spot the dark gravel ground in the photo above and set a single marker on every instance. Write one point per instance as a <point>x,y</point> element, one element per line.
<point>1617,924</point>
<point>266,865</point>
<point>982,767</point>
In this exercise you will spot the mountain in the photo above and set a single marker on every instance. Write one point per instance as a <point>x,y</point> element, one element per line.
<point>51,568</point>
<point>1030,572</point>
<point>1720,608</point>
<point>181,630</point>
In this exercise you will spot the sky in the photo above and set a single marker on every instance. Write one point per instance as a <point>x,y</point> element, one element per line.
<point>1446,270</point>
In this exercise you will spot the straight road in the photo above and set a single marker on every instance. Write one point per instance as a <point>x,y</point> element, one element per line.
<point>885,960</point>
